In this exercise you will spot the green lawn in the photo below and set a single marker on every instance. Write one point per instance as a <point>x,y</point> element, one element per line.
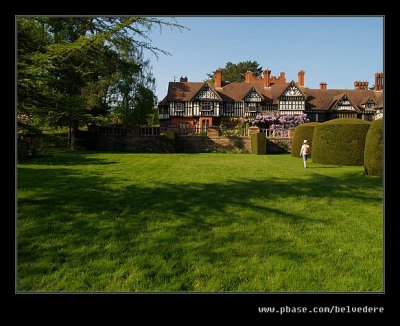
<point>197,222</point>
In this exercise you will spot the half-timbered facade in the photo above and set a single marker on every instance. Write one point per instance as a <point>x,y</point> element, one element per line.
<point>203,104</point>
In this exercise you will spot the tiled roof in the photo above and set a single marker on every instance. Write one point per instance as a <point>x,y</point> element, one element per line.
<point>316,99</point>
<point>323,99</point>
<point>182,91</point>
<point>379,104</point>
<point>235,92</point>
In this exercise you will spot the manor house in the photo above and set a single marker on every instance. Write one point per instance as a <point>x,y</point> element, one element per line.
<point>202,104</point>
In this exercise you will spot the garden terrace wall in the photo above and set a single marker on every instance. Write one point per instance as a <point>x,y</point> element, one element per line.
<point>156,144</point>
<point>209,144</point>
<point>131,141</point>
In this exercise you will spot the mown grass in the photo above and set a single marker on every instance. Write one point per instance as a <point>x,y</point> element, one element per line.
<point>197,222</point>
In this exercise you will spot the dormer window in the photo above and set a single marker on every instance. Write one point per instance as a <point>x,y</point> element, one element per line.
<point>369,104</point>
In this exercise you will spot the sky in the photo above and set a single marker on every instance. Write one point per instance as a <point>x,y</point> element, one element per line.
<point>335,50</point>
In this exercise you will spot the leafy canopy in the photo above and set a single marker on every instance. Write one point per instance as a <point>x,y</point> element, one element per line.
<point>234,72</point>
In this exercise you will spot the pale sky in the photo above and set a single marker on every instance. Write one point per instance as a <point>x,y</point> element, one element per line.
<point>335,50</point>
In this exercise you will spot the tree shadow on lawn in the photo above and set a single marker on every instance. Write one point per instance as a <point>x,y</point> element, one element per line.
<point>167,229</point>
<point>68,158</point>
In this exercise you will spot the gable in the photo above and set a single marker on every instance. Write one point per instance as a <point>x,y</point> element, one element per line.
<point>292,92</point>
<point>369,103</point>
<point>344,104</point>
<point>252,96</point>
<point>206,93</point>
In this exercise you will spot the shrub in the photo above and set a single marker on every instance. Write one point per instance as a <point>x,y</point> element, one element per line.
<point>32,142</point>
<point>166,143</point>
<point>302,132</point>
<point>373,154</point>
<point>258,144</point>
<point>340,141</point>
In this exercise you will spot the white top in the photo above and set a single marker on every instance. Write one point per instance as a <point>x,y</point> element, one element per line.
<point>303,147</point>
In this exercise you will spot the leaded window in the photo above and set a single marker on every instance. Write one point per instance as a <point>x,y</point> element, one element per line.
<point>252,107</point>
<point>369,104</point>
<point>206,106</point>
<point>229,107</point>
<point>179,107</point>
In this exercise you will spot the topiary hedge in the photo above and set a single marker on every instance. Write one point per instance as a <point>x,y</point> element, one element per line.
<point>340,141</point>
<point>258,144</point>
<point>373,153</point>
<point>304,131</point>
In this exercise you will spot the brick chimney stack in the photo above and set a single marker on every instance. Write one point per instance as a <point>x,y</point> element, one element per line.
<point>301,77</point>
<point>267,75</point>
<point>361,85</point>
<point>322,85</point>
<point>248,76</point>
<point>218,78</point>
<point>183,79</point>
<point>378,81</point>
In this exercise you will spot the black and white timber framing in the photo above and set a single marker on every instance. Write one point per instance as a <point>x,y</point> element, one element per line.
<point>194,100</point>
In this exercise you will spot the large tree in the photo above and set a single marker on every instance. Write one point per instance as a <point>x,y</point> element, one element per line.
<point>67,66</point>
<point>135,79</point>
<point>234,72</point>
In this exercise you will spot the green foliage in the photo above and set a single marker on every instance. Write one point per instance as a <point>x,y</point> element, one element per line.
<point>166,142</point>
<point>234,72</point>
<point>72,70</point>
<point>340,142</point>
<point>345,121</point>
<point>140,111</point>
<point>233,127</point>
<point>373,154</point>
<point>170,134</point>
<point>304,131</point>
<point>145,101</point>
<point>258,144</point>
<point>153,118</point>
<point>33,142</point>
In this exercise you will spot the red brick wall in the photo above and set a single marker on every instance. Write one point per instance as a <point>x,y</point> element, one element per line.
<point>175,121</point>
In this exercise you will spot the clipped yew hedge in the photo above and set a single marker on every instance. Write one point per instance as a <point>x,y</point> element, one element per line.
<point>373,153</point>
<point>304,131</point>
<point>258,143</point>
<point>340,141</point>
